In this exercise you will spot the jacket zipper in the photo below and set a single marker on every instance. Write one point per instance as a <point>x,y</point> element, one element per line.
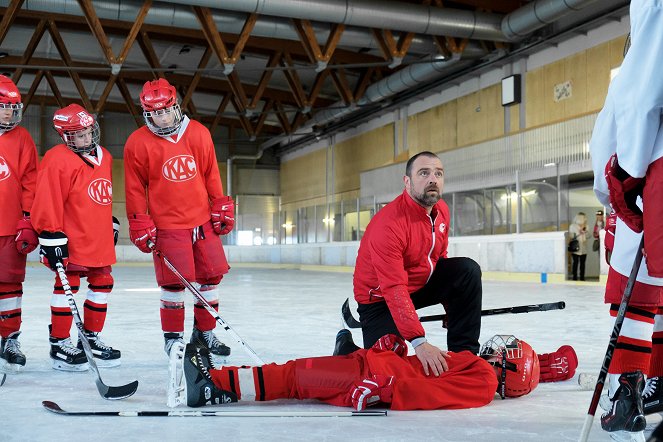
<point>430,252</point>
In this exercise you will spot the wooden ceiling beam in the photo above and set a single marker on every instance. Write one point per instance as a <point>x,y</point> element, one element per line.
<point>66,58</point>
<point>55,89</point>
<point>33,88</point>
<point>197,76</point>
<point>150,55</point>
<point>219,112</point>
<point>273,61</point>
<point>8,17</point>
<point>293,81</point>
<point>30,48</point>
<point>341,84</point>
<point>128,100</point>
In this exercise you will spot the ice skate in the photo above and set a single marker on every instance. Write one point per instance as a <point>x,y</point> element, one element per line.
<point>626,421</point>
<point>66,357</point>
<point>208,340</point>
<point>176,382</point>
<point>11,356</point>
<point>104,355</point>
<point>171,339</point>
<point>199,387</point>
<point>652,396</point>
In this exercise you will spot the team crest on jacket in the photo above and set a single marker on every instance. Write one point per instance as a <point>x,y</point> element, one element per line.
<point>179,168</point>
<point>442,227</point>
<point>4,169</point>
<point>101,191</point>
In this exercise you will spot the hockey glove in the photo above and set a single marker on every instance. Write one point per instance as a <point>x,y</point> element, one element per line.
<point>610,226</point>
<point>377,388</point>
<point>558,366</point>
<point>393,343</point>
<point>116,230</point>
<point>142,230</point>
<point>223,215</point>
<point>26,237</point>
<point>53,249</point>
<point>624,192</point>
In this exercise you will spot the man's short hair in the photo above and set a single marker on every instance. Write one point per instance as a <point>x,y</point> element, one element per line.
<point>408,166</point>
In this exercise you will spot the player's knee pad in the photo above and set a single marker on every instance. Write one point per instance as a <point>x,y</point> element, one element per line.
<point>210,293</point>
<point>171,299</point>
<point>74,280</point>
<point>100,283</point>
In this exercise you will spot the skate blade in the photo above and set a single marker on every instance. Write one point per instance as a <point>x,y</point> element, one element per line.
<point>107,363</point>
<point>7,368</point>
<point>628,436</point>
<point>63,366</point>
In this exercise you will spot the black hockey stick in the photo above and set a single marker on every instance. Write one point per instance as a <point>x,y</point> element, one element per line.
<point>353,323</point>
<point>2,381</point>
<point>106,391</point>
<point>55,408</point>
<point>205,304</point>
<point>616,329</point>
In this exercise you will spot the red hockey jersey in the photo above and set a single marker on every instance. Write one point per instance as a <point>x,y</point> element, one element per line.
<point>75,196</point>
<point>173,179</point>
<point>18,176</point>
<point>397,256</point>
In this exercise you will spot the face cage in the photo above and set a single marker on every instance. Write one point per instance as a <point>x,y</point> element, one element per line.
<point>164,131</point>
<point>68,138</point>
<point>498,352</point>
<point>17,116</point>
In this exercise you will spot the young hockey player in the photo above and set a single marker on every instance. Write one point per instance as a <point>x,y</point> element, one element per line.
<point>175,200</point>
<point>73,214</point>
<point>18,174</point>
<point>383,374</point>
<point>627,158</point>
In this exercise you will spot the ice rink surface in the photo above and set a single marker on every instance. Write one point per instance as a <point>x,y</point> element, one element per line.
<point>285,314</point>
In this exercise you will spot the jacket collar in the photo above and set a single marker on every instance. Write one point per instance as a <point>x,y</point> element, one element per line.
<point>417,208</point>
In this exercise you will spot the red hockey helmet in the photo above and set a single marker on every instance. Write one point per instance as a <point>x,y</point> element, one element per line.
<point>520,361</point>
<point>11,108</point>
<point>77,127</point>
<point>161,111</point>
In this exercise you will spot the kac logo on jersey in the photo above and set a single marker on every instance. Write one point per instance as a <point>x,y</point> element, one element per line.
<point>442,227</point>
<point>4,169</point>
<point>179,168</point>
<point>101,191</point>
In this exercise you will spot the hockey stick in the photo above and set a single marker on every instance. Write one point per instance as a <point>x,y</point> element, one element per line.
<point>2,381</point>
<point>106,391</point>
<point>55,408</point>
<point>205,304</point>
<point>353,323</point>
<point>616,329</point>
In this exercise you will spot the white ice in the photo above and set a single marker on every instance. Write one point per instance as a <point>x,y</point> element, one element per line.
<point>286,314</point>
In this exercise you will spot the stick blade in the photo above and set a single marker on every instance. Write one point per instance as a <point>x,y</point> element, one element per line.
<point>115,393</point>
<point>2,379</point>
<point>53,407</point>
<point>347,315</point>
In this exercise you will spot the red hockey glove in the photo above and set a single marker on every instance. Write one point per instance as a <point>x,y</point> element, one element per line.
<point>142,230</point>
<point>26,237</point>
<point>378,388</point>
<point>558,366</point>
<point>223,215</point>
<point>116,230</point>
<point>53,249</point>
<point>610,226</point>
<point>624,191</point>
<point>393,343</point>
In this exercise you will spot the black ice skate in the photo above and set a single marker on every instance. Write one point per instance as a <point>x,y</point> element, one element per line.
<point>626,420</point>
<point>11,356</point>
<point>344,343</point>
<point>207,339</point>
<point>199,387</point>
<point>66,357</point>
<point>652,396</point>
<point>171,338</point>
<point>104,355</point>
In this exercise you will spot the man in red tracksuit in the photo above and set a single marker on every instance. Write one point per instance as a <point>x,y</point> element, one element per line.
<point>18,175</point>
<point>73,214</point>
<point>175,200</point>
<point>402,265</point>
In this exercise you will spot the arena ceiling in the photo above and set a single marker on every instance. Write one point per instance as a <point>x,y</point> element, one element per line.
<point>274,73</point>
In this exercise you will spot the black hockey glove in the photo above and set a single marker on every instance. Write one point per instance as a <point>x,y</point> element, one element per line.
<point>53,249</point>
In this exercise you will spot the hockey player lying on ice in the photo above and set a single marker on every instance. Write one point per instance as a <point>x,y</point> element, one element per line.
<point>383,374</point>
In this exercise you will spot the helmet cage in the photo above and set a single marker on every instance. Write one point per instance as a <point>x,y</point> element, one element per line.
<point>17,116</point>
<point>499,351</point>
<point>172,128</point>
<point>69,137</point>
